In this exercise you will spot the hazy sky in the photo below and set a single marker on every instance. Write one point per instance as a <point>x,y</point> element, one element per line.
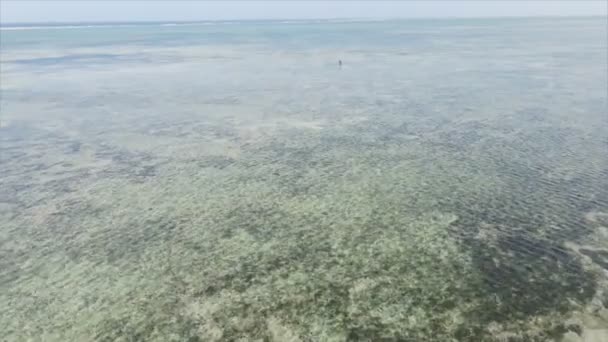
<point>61,11</point>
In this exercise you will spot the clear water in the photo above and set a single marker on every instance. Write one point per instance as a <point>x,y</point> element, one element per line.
<point>230,182</point>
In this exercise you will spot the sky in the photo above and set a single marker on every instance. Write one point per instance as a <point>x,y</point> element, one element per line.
<point>16,11</point>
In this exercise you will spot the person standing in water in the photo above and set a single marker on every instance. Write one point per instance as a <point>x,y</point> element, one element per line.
<point>339,63</point>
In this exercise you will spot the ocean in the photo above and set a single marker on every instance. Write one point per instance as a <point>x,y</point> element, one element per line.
<point>231,181</point>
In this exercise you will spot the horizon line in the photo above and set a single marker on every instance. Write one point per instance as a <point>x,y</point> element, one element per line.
<point>16,23</point>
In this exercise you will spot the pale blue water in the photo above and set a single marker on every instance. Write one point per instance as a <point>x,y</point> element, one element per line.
<point>229,181</point>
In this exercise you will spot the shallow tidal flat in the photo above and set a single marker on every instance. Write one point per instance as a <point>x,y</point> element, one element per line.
<point>448,183</point>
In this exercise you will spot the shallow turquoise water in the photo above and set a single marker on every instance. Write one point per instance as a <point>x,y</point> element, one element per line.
<point>229,181</point>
